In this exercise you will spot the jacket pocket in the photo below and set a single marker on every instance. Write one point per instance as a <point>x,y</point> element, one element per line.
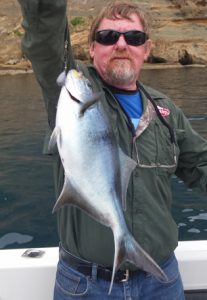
<point>156,150</point>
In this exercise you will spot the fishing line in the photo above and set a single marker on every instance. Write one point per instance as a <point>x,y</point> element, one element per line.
<point>68,60</point>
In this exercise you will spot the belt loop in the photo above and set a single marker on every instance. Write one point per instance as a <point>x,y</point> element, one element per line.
<point>94,271</point>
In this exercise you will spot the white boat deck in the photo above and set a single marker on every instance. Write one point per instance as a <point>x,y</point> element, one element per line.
<point>24,278</point>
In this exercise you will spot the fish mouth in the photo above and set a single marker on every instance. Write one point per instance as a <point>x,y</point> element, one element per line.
<point>72,97</point>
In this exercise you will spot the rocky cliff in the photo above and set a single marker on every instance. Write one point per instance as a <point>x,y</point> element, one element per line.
<point>179,30</point>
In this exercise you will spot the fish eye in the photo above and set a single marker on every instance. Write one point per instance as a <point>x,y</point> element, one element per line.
<point>88,84</point>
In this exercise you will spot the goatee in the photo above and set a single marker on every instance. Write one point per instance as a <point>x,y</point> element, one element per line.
<point>120,72</point>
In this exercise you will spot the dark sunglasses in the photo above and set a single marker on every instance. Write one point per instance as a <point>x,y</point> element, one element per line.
<point>110,37</point>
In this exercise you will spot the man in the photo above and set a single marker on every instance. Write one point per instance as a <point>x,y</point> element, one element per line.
<point>148,127</point>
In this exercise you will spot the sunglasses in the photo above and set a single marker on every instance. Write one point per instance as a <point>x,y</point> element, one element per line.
<point>110,37</point>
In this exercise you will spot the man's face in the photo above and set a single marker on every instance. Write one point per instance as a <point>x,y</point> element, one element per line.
<point>119,64</point>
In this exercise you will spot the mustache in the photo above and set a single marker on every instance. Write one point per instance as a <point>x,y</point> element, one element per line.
<point>120,54</point>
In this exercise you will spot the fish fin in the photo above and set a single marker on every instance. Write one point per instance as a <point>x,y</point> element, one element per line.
<point>61,78</point>
<point>127,166</point>
<point>96,97</point>
<point>68,195</point>
<point>127,249</point>
<point>53,139</point>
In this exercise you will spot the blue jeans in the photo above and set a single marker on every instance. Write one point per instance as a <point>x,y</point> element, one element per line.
<point>70,284</point>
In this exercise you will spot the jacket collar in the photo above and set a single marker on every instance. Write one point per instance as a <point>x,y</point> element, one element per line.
<point>149,113</point>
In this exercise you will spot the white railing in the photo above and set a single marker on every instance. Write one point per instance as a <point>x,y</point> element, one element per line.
<point>24,278</point>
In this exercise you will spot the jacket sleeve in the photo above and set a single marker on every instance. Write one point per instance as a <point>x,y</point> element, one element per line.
<point>192,163</point>
<point>44,22</point>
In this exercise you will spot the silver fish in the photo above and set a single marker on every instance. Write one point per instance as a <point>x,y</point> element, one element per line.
<point>97,172</point>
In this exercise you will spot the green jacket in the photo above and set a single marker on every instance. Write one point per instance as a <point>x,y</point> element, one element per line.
<point>149,198</point>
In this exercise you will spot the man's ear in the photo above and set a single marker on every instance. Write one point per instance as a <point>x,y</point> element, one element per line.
<point>91,50</point>
<point>148,46</point>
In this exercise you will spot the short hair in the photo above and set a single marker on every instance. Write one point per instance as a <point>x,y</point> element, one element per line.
<point>117,10</point>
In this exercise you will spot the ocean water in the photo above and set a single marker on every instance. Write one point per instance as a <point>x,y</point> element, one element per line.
<point>26,176</point>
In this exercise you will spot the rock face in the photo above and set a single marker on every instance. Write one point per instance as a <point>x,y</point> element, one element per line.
<point>179,30</point>
<point>11,56</point>
<point>180,26</point>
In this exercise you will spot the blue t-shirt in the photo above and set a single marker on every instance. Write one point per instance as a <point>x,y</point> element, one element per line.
<point>131,102</point>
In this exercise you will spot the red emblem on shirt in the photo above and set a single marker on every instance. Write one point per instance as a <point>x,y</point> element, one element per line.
<point>164,111</point>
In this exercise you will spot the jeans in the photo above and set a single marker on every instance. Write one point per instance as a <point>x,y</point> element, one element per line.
<point>70,284</point>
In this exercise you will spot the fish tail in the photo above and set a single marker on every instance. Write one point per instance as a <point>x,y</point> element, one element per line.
<point>128,250</point>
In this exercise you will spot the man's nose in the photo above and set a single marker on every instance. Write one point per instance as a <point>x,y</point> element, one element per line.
<point>121,43</point>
